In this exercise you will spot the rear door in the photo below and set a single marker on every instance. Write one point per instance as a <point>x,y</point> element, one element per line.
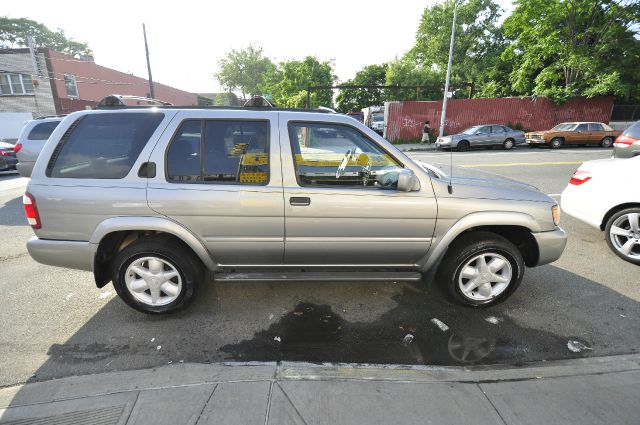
<point>596,133</point>
<point>221,179</point>
<point>341,204</point>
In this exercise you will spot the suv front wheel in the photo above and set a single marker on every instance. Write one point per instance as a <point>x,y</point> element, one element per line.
<point>481,269</point>
<point>156,274</point>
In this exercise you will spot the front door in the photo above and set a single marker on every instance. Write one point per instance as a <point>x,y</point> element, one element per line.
<point>342,207</point>
<point>223,182</point>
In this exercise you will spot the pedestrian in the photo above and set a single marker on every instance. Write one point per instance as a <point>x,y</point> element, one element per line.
<point>425,133</point>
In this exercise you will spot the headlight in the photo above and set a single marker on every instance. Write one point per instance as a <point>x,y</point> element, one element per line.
<point>555,212</point>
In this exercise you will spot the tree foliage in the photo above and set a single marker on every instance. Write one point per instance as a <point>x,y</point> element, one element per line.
<point>287,83</point>
<point>356,99</point>
<point>565,48</point>
<point>15,31</point>
<point>478,41</point>
<point>244,70</point>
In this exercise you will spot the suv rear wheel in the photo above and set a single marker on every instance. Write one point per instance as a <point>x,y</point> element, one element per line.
<point>481,269</point>
<point>156,274</point>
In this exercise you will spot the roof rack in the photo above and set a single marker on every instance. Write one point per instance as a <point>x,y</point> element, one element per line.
<point>126,100</point>
<point>50,116</point>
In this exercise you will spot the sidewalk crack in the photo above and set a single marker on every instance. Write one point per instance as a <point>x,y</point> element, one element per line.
<point>207,402</point>
<point>491,403</point>
<point>291,402</point>
<point>133,406</point>
<point>266,416</point>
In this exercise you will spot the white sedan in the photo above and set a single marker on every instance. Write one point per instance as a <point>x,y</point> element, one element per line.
<point>605,194</point>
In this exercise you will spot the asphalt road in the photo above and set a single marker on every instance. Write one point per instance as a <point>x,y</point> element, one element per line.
<point>56,323</point>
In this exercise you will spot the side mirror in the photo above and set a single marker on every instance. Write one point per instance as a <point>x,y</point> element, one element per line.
<point>408,181</point>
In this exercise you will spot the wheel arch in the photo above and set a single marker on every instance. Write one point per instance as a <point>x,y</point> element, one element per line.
<point>513,226</point>
<point>616,209</point>
<point>114,234</point>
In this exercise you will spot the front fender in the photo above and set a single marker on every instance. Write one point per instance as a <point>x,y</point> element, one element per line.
<point>476,219</point>
<point>159,224</point>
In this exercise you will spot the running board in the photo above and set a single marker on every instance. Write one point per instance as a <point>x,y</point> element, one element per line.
<point>318,276</point>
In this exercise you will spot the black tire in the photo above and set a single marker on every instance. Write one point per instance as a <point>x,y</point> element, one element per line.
<point>463,146</point>
<point>508,144</point>
<point>464,249</point>
<point>556,143</point>
<point>168,249</point>
<point>607,142</point>
<point>621,239</point>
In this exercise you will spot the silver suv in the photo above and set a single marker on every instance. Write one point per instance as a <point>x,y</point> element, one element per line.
<point>150,198</point>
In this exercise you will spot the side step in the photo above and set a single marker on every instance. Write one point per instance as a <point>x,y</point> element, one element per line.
<point>318,276</point>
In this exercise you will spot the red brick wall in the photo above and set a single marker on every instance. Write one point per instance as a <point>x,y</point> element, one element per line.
<point>406,119</point>
<point>95,82</point>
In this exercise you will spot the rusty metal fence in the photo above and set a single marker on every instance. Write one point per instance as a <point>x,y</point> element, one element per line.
<point>404,120</point>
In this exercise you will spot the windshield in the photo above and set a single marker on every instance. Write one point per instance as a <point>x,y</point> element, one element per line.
<point>564,126</point>
<point>378,118</point>
<point>471,130</point>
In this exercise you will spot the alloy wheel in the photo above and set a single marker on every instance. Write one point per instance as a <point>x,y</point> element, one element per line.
<point>153,281</point>
<point>485,276</point>
<point>624,234</point>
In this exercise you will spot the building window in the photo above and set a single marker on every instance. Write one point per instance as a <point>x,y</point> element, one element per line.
<point>12,84</point>
<point>71,85</point>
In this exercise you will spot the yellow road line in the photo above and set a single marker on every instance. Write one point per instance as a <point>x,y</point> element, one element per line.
<point>520,164</point>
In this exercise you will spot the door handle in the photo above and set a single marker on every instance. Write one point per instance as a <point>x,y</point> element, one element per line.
<point>299,201</point>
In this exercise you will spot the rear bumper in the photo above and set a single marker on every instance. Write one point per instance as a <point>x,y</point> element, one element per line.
<point>8,163</point>
<point>550,245</point>
<point>70,254</point>
<point>24,168</point>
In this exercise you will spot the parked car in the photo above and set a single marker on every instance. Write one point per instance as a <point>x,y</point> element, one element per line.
<point>627,145</point>
<point>596,196</point>
<point>356,115</point>
<point>486,135</point>
<point>8,159</point>
<point>32,138</point>
<point>151,197</point>
<point>377,123</point>
<point>574,133</point>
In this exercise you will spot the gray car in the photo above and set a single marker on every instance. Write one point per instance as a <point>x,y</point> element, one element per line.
<point>627,145</point>
<point>32,138</point>
<point>151,198</point>
<point>485,136</point>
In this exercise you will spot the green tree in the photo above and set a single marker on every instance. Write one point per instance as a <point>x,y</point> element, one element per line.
<point>287,84</point>
<point>356,99</point>
<point>565,48</point>
<point>15,31</point>
<point>477,48</point>
<point>406,72</point>
<point>244,70</point>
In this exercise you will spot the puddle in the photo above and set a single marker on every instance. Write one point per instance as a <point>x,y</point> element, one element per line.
<point>316,333</point>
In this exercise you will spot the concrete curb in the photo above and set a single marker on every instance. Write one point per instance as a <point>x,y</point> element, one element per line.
<point>185,375</point>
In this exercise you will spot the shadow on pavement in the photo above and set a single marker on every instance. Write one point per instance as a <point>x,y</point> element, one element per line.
<point>12,214</point>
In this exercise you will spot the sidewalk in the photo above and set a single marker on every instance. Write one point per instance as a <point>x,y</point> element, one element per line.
<point>585,391</point>
<point>415,147</point>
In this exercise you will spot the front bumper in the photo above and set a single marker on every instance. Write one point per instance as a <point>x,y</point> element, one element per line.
<point>70,254</point>
<point>550,245</point>
<point>536,141</point>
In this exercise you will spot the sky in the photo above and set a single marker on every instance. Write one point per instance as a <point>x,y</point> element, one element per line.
<point>188,38</point>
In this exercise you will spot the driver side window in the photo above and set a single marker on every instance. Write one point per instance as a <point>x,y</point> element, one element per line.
<point>338,155</point>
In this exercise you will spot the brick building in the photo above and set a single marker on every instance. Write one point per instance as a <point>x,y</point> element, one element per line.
<point>55,83</point>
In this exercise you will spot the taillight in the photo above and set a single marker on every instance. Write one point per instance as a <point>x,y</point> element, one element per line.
<point>17,147</point>
<point>2,153</point>
<point>31,210</point>
<point>579,177</point>
<point>624,141</point>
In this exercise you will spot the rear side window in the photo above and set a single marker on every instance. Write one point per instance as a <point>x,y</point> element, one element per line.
<point>596,127</point>
<point>633,131</point>
<point>102,146</point>
<point>43,130</point>
<point>220,152</point>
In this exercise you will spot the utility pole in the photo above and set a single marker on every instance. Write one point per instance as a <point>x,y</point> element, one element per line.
<point>146,48</point>
<point>446,84</point>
